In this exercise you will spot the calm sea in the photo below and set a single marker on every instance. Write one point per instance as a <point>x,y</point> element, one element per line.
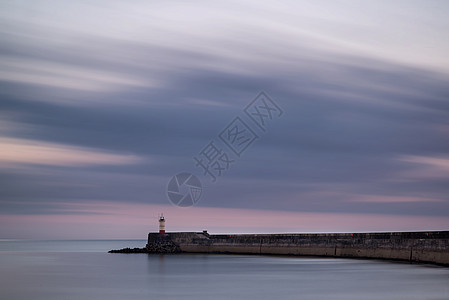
<point>84,270</point>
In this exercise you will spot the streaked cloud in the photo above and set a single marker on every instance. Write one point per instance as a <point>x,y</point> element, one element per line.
<point>67,76</point>
<point>425,167</point>
<point>442,163</point>
<point>150,44</point>
<point>107,100</point>
<point>20,151</point>
<point>388,199</point>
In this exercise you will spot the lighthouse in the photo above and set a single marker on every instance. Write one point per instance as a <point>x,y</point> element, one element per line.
<point>161,224</point>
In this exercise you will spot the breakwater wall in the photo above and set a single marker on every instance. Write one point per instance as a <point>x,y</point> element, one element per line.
<point>427,247</point>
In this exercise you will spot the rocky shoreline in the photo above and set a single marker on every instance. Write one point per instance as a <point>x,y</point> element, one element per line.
<point>129,250</point>
<point>157,247</point>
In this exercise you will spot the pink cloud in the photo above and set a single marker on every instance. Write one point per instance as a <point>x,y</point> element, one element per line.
<point>389,199</point>
<point>66,76</point>
<point>20,151</point>
<point>439,162</point>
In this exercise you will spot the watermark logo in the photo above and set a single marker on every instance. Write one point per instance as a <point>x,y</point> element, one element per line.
<point>184,189</point>
<point>238,136</point>
<point>214,159</point>
<point>262,110</point>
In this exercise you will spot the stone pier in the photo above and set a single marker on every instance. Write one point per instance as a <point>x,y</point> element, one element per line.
<point>423,247</point>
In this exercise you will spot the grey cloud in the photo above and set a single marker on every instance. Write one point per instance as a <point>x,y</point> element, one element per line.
<point>348,118</point>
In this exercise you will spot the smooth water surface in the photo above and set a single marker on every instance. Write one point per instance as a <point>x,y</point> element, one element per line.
<point>84,270</point>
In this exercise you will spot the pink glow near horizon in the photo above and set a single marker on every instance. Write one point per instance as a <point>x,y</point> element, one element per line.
<point>108,220</point>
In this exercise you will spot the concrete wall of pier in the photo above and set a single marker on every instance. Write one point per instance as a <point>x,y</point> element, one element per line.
<point>428,247</point>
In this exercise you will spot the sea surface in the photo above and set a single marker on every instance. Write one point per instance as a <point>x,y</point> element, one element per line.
<point>84,270</point>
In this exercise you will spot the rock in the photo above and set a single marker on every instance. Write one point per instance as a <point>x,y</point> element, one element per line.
<point>129,250</point>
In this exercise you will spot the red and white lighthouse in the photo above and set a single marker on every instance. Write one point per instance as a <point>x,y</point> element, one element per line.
<point>161,224</point>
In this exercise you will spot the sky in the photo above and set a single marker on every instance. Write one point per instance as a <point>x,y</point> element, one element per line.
<point>103,102</point>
